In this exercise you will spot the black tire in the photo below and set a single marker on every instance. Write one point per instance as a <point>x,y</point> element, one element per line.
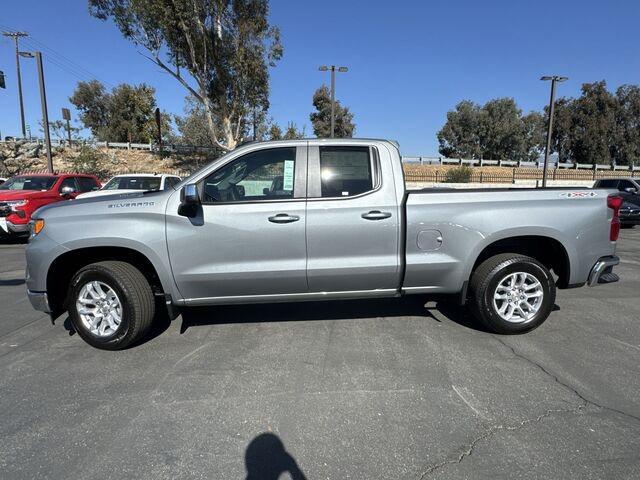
<point>136,297</point>
<point>485,280</point>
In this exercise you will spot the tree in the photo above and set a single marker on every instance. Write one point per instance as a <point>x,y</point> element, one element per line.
<point>594,124</point>
<point>497,130</point>
<point>502,130</point>
<point>226,47</point>
<point>628,125</point>
<point>460,136</point>
<point>126,114</point>
<point>597,127</point>
<point>292,132</point>
<point>192,127</point>
<point>275,132</point>
<point>562,141</point>
<point>92,100</point>
<point>321,118</point>
<point>59,129</point>
<point>534,135</point>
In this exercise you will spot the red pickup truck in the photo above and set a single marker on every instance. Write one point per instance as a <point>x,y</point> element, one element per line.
<point>22,195</point>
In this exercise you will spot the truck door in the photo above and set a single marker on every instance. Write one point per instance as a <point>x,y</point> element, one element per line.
<point>353,221</point>
<point>250,237</point>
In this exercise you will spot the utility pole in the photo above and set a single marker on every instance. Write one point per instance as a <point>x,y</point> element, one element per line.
<point>333,69</point>
<point>554,79</point>
<point>16,36</point>
<point>43,101</point>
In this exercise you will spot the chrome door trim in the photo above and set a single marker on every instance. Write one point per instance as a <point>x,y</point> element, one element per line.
<point>289,297</point>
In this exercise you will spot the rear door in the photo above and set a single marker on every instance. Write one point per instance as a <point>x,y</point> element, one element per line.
<point>249,238</point>
<point>87,184</point>
<point>353,220</point>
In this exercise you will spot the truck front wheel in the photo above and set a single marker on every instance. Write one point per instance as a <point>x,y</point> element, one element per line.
<point>110,304</point>
<point>512,293</point>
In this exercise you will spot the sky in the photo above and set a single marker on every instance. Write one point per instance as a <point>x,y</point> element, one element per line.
<point>409,61</point>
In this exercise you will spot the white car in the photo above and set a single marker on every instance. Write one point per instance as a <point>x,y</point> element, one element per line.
<point>134,182</point>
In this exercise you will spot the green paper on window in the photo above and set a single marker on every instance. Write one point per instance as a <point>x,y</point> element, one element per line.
<point>288,175</point>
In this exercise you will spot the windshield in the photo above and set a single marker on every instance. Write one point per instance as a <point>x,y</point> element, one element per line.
<point>133,183</point>
<point>28,183</point>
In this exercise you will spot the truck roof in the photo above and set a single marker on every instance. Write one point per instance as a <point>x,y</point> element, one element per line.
<point>49,175</point>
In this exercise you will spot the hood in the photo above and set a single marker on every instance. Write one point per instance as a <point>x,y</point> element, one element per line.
<point>9,195</point>
<point>102,193</point>
<point>99,200</point>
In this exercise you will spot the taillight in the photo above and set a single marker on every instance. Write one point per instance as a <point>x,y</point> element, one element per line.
<point>614,202</point>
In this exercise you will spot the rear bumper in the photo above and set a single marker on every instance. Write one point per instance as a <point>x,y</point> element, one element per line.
<point>39,301</point>
<point>602,271</point>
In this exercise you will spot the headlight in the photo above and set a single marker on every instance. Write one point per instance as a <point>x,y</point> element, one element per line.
<point>16,203</point>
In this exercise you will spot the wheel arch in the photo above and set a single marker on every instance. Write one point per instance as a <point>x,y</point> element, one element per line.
<point>65,266</point>
<point>547,249</point>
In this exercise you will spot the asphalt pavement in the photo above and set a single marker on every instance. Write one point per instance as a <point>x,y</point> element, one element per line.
<point>351,389</point>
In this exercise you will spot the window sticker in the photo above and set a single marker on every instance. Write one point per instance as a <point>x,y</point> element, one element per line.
<point>288,175</point>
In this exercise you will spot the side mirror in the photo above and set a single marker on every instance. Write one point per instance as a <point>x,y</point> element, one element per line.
<point>631,190</point>
<point>67,191</point>
<point>189,200</point>
<point>266,191</point>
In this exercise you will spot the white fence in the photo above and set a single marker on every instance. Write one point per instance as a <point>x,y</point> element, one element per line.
<point>511,163</point>
<point>128,146</point>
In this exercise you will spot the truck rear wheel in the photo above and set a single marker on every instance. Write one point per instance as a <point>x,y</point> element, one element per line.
<point>512,293</point>
<point>111,304</point>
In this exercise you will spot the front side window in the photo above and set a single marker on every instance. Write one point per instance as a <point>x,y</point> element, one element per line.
<point>28,183</point>
<point>345,171</point>
<point>69,182</point>
<point>170,182</point>
<point>262,175</point>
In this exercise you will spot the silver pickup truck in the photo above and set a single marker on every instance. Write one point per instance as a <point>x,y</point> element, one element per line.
<point>314,220</point>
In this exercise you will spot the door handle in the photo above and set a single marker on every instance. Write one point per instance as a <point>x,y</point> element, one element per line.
<point>284,218</point>
<point>376,215</point>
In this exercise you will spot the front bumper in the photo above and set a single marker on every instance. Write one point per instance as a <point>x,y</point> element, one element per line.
<point>602,271</point>
<point>39,301</point>
<point>15,229</point>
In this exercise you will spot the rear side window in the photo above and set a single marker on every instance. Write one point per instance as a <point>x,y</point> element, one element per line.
<point>608,184</point>
<point>345,171</point>
<point>87,184</point>
<point>624,184</point>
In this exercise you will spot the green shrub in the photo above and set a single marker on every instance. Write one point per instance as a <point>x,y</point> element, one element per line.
<point>461,174</point>
<point>92,161</point>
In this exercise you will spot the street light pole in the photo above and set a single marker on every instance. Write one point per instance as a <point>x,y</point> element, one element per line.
<point>554,79</point>
<point>333,69</point>
<point>16,36</point>
<point>43,100</point>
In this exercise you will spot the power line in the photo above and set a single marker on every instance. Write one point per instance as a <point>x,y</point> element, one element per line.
<point>61,61</point>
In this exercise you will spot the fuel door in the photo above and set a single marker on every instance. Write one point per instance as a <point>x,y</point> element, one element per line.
<point>429,240</point>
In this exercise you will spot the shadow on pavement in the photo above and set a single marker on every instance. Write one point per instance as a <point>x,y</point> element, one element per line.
<point>302,311</point>
<point>4,240</point>
<point>12,282</point>
<point>410,306</point>
<point>267,459</point>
